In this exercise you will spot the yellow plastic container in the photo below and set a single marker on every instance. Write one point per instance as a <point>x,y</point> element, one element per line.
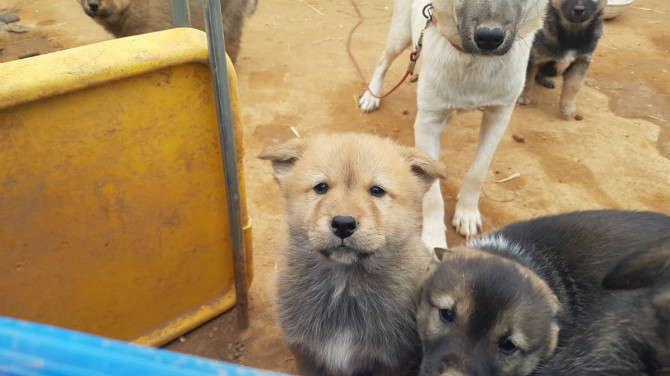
<point>113,213</point>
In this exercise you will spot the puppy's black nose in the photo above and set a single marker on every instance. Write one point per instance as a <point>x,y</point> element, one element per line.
<point>578,10</point>
<point>489,39</point>
<point>93,6</point>
<point>343,226</point>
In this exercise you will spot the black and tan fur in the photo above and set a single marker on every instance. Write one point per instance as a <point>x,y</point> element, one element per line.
<point>529,298</point>
<point>347,287</point>
<point>124,18</point>
<point>563,47</point>
<point>628,331</point>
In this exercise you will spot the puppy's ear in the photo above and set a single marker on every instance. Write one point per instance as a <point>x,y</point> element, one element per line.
<point>425,167</point>
<point>440,253</point>
<point>434,263</point>
<point>643,268</point>
<point>283,156</point>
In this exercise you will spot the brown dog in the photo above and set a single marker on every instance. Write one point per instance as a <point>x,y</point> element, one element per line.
<point>347,288</point>
<point>131,17</point>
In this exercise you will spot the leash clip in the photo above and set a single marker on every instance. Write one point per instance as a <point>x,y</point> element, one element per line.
<point>429,15</point>
<point>428,12</point>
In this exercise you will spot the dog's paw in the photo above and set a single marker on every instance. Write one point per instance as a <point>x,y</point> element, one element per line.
<point>467,221</point>
<point>547,82</point>
<point>523,100</point>
<point>368,103</point>
<point>568,110</point>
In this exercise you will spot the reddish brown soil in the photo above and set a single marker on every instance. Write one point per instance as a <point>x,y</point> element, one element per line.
<point>294,70</point>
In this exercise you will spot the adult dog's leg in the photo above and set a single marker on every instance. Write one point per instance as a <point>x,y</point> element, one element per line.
<point>399,37</point>
<point>427,128</point>
<point>467,219</point>
<point>573,80</point>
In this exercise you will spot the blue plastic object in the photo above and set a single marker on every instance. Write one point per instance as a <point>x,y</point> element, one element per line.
<point>28,349</point>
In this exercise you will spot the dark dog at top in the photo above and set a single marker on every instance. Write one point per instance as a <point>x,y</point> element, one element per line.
<point>529,298</point>
<point>132,17</point>
<point>563,47</point>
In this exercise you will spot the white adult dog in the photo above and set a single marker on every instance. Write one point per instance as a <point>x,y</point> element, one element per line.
<point>474,57</point>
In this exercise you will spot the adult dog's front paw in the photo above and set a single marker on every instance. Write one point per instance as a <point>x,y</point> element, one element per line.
<point>368,103</point>
<point>467,221</point>
<point>523,100</point>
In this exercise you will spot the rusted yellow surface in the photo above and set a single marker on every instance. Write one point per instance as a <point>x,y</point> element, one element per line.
<point>113,214</point>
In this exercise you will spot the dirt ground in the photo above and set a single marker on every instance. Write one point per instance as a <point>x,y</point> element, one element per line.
<point>294,71</point>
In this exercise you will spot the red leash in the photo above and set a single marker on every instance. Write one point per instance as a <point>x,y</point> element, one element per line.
<point>351,33</point>
<point>413,56</point>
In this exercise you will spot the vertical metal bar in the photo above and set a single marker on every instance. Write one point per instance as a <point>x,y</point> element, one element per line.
<point>180,13</point>
<point>224,112</point>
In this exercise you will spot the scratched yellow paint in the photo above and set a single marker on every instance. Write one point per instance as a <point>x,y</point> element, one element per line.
<point>113,213</point>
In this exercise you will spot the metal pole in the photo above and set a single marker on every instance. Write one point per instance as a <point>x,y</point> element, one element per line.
<point>180,13</point>
<point>224,112</point>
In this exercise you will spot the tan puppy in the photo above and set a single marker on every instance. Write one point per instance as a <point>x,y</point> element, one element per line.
<point>132,17</point>
<point>347,287</point>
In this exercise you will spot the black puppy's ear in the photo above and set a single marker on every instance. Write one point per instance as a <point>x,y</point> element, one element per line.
<point>643,268</point>
<point>283,156</point>
<point>440,253</point>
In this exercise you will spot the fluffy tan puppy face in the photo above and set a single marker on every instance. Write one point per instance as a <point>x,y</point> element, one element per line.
<point>350,196</point>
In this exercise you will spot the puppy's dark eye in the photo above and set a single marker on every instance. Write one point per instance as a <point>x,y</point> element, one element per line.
<point>321,188</point>
<point>507,347</point>
<point>377,191</point>
<point>447,315</point>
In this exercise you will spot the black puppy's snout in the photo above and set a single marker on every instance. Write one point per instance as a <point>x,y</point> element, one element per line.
<point>489,39</point>
<point>578,10</point>
<point>93,6</point>
<point>343,226</point>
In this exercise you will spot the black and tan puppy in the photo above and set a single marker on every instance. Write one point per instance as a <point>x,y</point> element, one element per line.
<point>346,293</point>
<point>563,47</point>
<point>628,332</point>
<point>508,302</point>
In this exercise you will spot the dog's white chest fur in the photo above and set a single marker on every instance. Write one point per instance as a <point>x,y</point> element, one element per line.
<point>337,351</point>
<point>343,352</point>
<point>452,79</point>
